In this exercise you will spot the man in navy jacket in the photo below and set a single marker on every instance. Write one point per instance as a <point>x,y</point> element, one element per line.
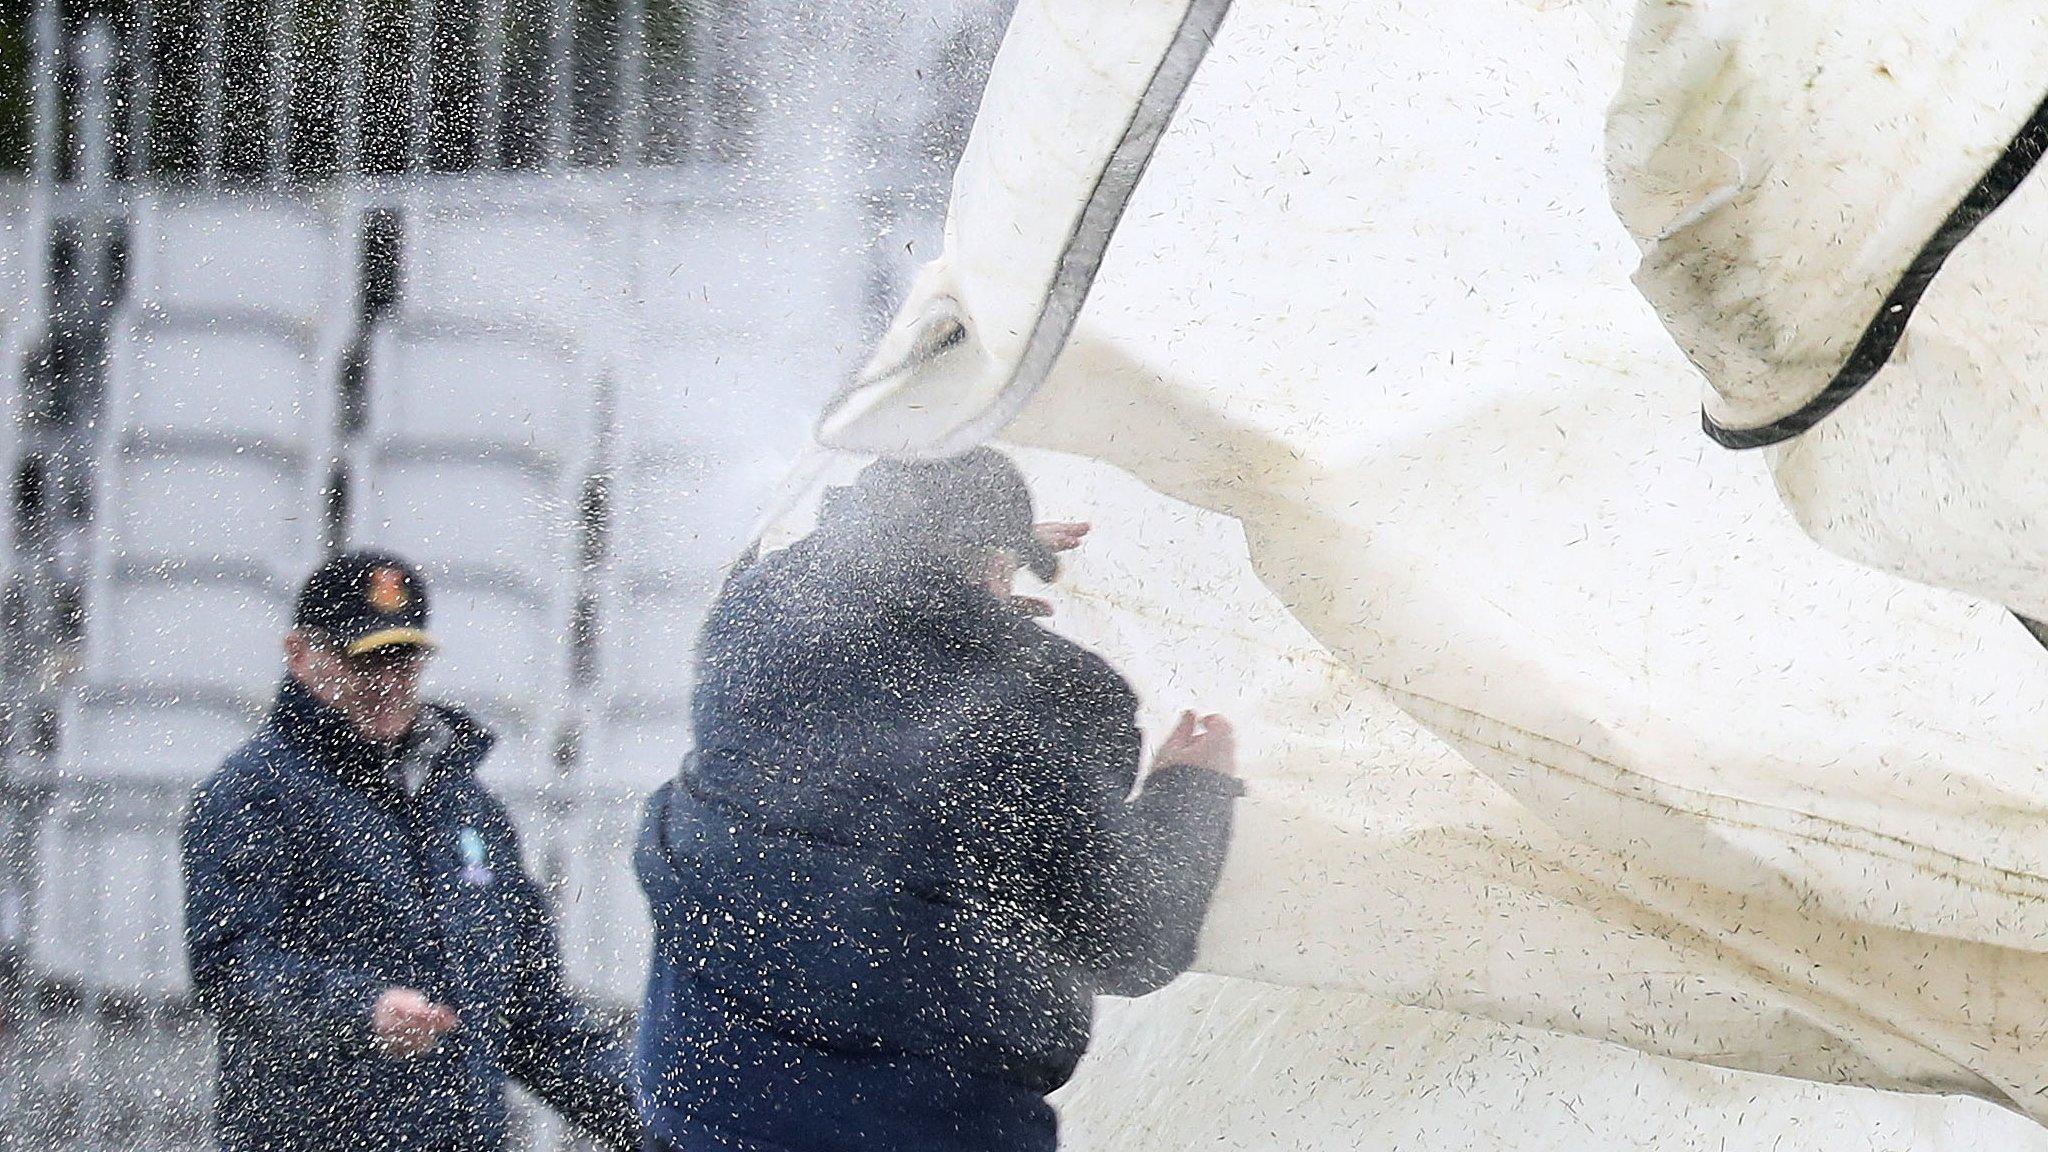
<point>904,856</point>
<point>359,924</point>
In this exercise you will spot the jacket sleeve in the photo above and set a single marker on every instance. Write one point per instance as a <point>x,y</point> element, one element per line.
<point>1124,881</point>
<point>555,1047</point>
<point>1179,829</point>
<point>235,885</point>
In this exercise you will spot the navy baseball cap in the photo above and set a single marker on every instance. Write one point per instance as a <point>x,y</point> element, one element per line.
<point>978,498</point>
<point>366,601</point>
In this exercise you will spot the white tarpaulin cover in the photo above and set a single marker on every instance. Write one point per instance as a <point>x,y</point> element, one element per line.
<point>1228,1066</point>
<point>1737,800</point>
<point>1814,187</point>
<point>1366,839</point>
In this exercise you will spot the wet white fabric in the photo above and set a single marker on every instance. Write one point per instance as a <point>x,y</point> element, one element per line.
<point>1738,800</point>
<point>1785,164</point>
<point>1369,855</point>
<point>1234,1066</point>
<point>1101,81</point>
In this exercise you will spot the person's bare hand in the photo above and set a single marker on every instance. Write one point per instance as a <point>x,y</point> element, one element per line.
<point>1061,535</point>
<point>1199,742</point>
<point>1055,536</point>
<point>405,1023</point>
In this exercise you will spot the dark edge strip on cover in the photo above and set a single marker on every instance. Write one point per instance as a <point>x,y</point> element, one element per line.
<point>1088,243</point>
<point>1882,335</point>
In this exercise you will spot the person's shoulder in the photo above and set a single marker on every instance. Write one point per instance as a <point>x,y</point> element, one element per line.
<point>1068,669</point>
<point>1048,648</point>
<point>258,762</point>
<point>257,774</point>
<point>769,577</point>
<point>761,605</point>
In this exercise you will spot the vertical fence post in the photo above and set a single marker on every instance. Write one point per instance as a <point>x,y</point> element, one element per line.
<point>700,79</point>
<point>95,168</point>
<point>94,174</point>
<point>559,80</point>
<point>45,60</point>
<point>633,84</point>
<point>283,85</point>
<point>349,152</point>
<point>46,66</point>
<point>422,85</point>
<point>491,113</point>
<point>212,86</point>
<point>142,101</point>
<point>23,697</point>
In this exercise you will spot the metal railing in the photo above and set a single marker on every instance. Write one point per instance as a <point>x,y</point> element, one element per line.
<point>305,91</point>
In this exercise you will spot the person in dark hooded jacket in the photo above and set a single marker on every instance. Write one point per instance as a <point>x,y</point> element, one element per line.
<point>905,856</point>
<point>359,925</point>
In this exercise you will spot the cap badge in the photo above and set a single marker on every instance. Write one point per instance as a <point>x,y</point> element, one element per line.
<point>388,592</point>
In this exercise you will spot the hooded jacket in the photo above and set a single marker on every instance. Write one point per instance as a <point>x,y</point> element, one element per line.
<point>314,881</point>
<point>901,862</point>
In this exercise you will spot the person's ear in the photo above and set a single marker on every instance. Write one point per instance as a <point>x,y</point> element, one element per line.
<point>298,654</point>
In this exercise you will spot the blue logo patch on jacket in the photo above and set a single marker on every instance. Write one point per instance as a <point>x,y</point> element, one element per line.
<point>475,872</point>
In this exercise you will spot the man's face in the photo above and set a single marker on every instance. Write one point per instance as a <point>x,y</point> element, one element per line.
<point>378,693</point>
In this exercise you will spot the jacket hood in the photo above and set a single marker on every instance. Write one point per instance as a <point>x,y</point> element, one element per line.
<point>832,610</point>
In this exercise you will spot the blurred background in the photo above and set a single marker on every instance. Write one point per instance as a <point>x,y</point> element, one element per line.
<point>540,293</point>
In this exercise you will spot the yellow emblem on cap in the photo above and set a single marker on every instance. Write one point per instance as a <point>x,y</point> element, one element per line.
<point>388,592</point>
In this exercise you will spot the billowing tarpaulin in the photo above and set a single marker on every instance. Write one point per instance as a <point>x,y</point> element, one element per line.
<point>1737,800</point>
<point>1839,227</point>
<point>1234,1066</point>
